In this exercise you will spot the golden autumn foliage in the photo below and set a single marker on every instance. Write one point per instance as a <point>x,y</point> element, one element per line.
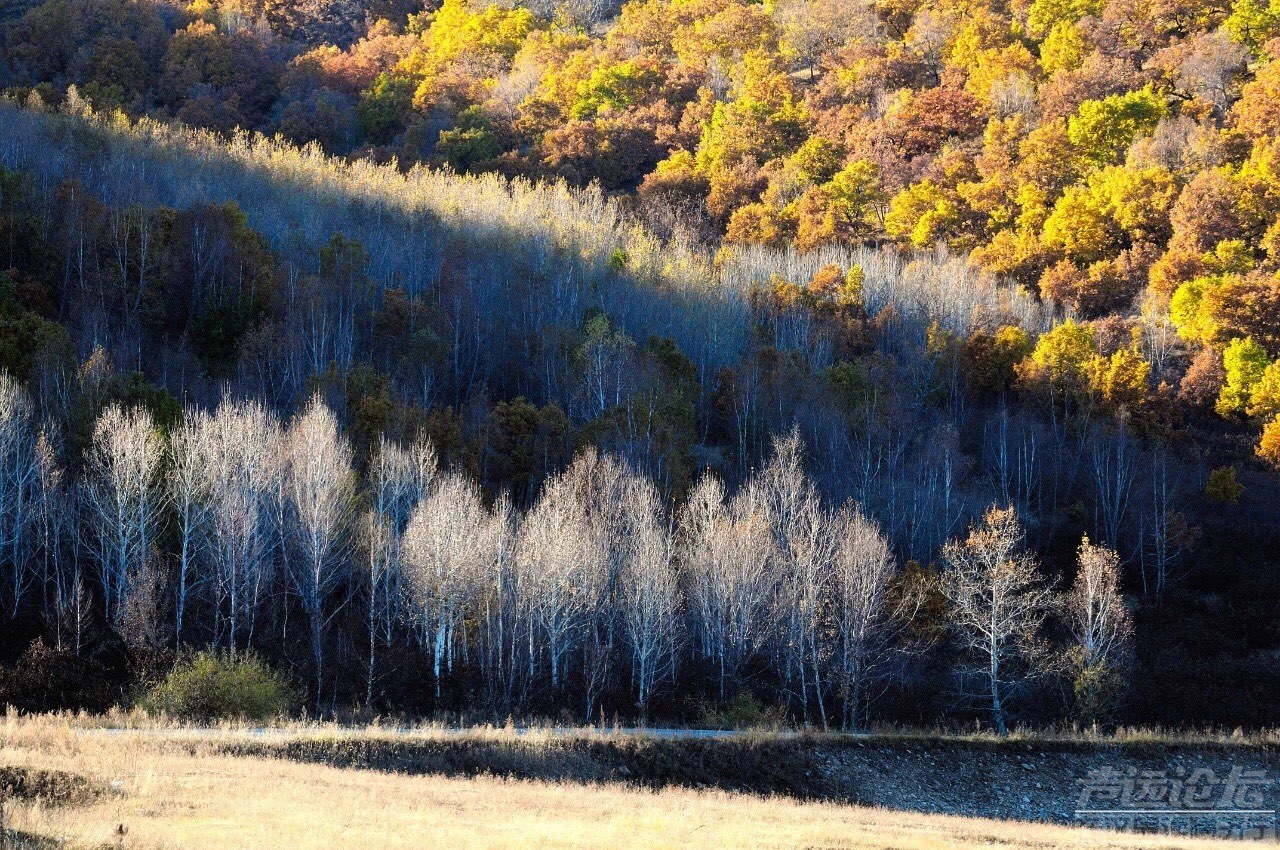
<point>1269,444</point>
<point>1095,153</point>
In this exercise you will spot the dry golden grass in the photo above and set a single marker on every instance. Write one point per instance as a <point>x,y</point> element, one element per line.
<point>138,719</point>
<point>174,791</point>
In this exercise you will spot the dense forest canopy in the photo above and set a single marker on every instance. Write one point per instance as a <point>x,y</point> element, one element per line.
<point>930,288</point>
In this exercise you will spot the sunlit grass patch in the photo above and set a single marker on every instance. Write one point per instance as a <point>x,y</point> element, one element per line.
<point>178,788</point>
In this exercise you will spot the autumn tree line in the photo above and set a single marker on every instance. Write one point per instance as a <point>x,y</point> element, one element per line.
<point>219,531</point>
<point>513,326</point>
<point>1017,254</point>
<point>1111,156</point>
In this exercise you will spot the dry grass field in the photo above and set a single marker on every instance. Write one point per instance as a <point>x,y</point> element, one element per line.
<point>176,789</point>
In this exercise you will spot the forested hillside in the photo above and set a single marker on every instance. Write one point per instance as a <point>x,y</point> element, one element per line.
<point>688,359</point>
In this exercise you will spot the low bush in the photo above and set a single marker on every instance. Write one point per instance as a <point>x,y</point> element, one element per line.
<point>49,679</point>
<point>743,712</point>
<point>207,687</point>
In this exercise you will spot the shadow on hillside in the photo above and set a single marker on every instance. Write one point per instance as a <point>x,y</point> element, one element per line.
<point>1009,780</point>
<point>763,767</point>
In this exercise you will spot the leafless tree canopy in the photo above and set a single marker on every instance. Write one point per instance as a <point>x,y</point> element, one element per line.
<point>125,498</point>
<point>999,600</point>
<point>1096,614</point>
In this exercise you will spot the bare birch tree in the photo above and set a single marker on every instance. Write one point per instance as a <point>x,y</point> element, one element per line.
<point>563,558</point>
<point>999,600</point>
<point>725,553</point>
<point>505,616</point>
<point>1096,615</point>
<point>189,492</point>
<point>450,549</point>
<point>862,614</point>
<point>804,548</point>
<point>1101,628</point>
<point>318,492</point>
<point>399,478</point>
<point>19,479</point>
<point>1113,477</point>
<point>1166,535</point>
<point>649,597</point>
<point>244,461</point>
<point>53,513</point>
<point>603,485</point>
<point>125,498</point>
